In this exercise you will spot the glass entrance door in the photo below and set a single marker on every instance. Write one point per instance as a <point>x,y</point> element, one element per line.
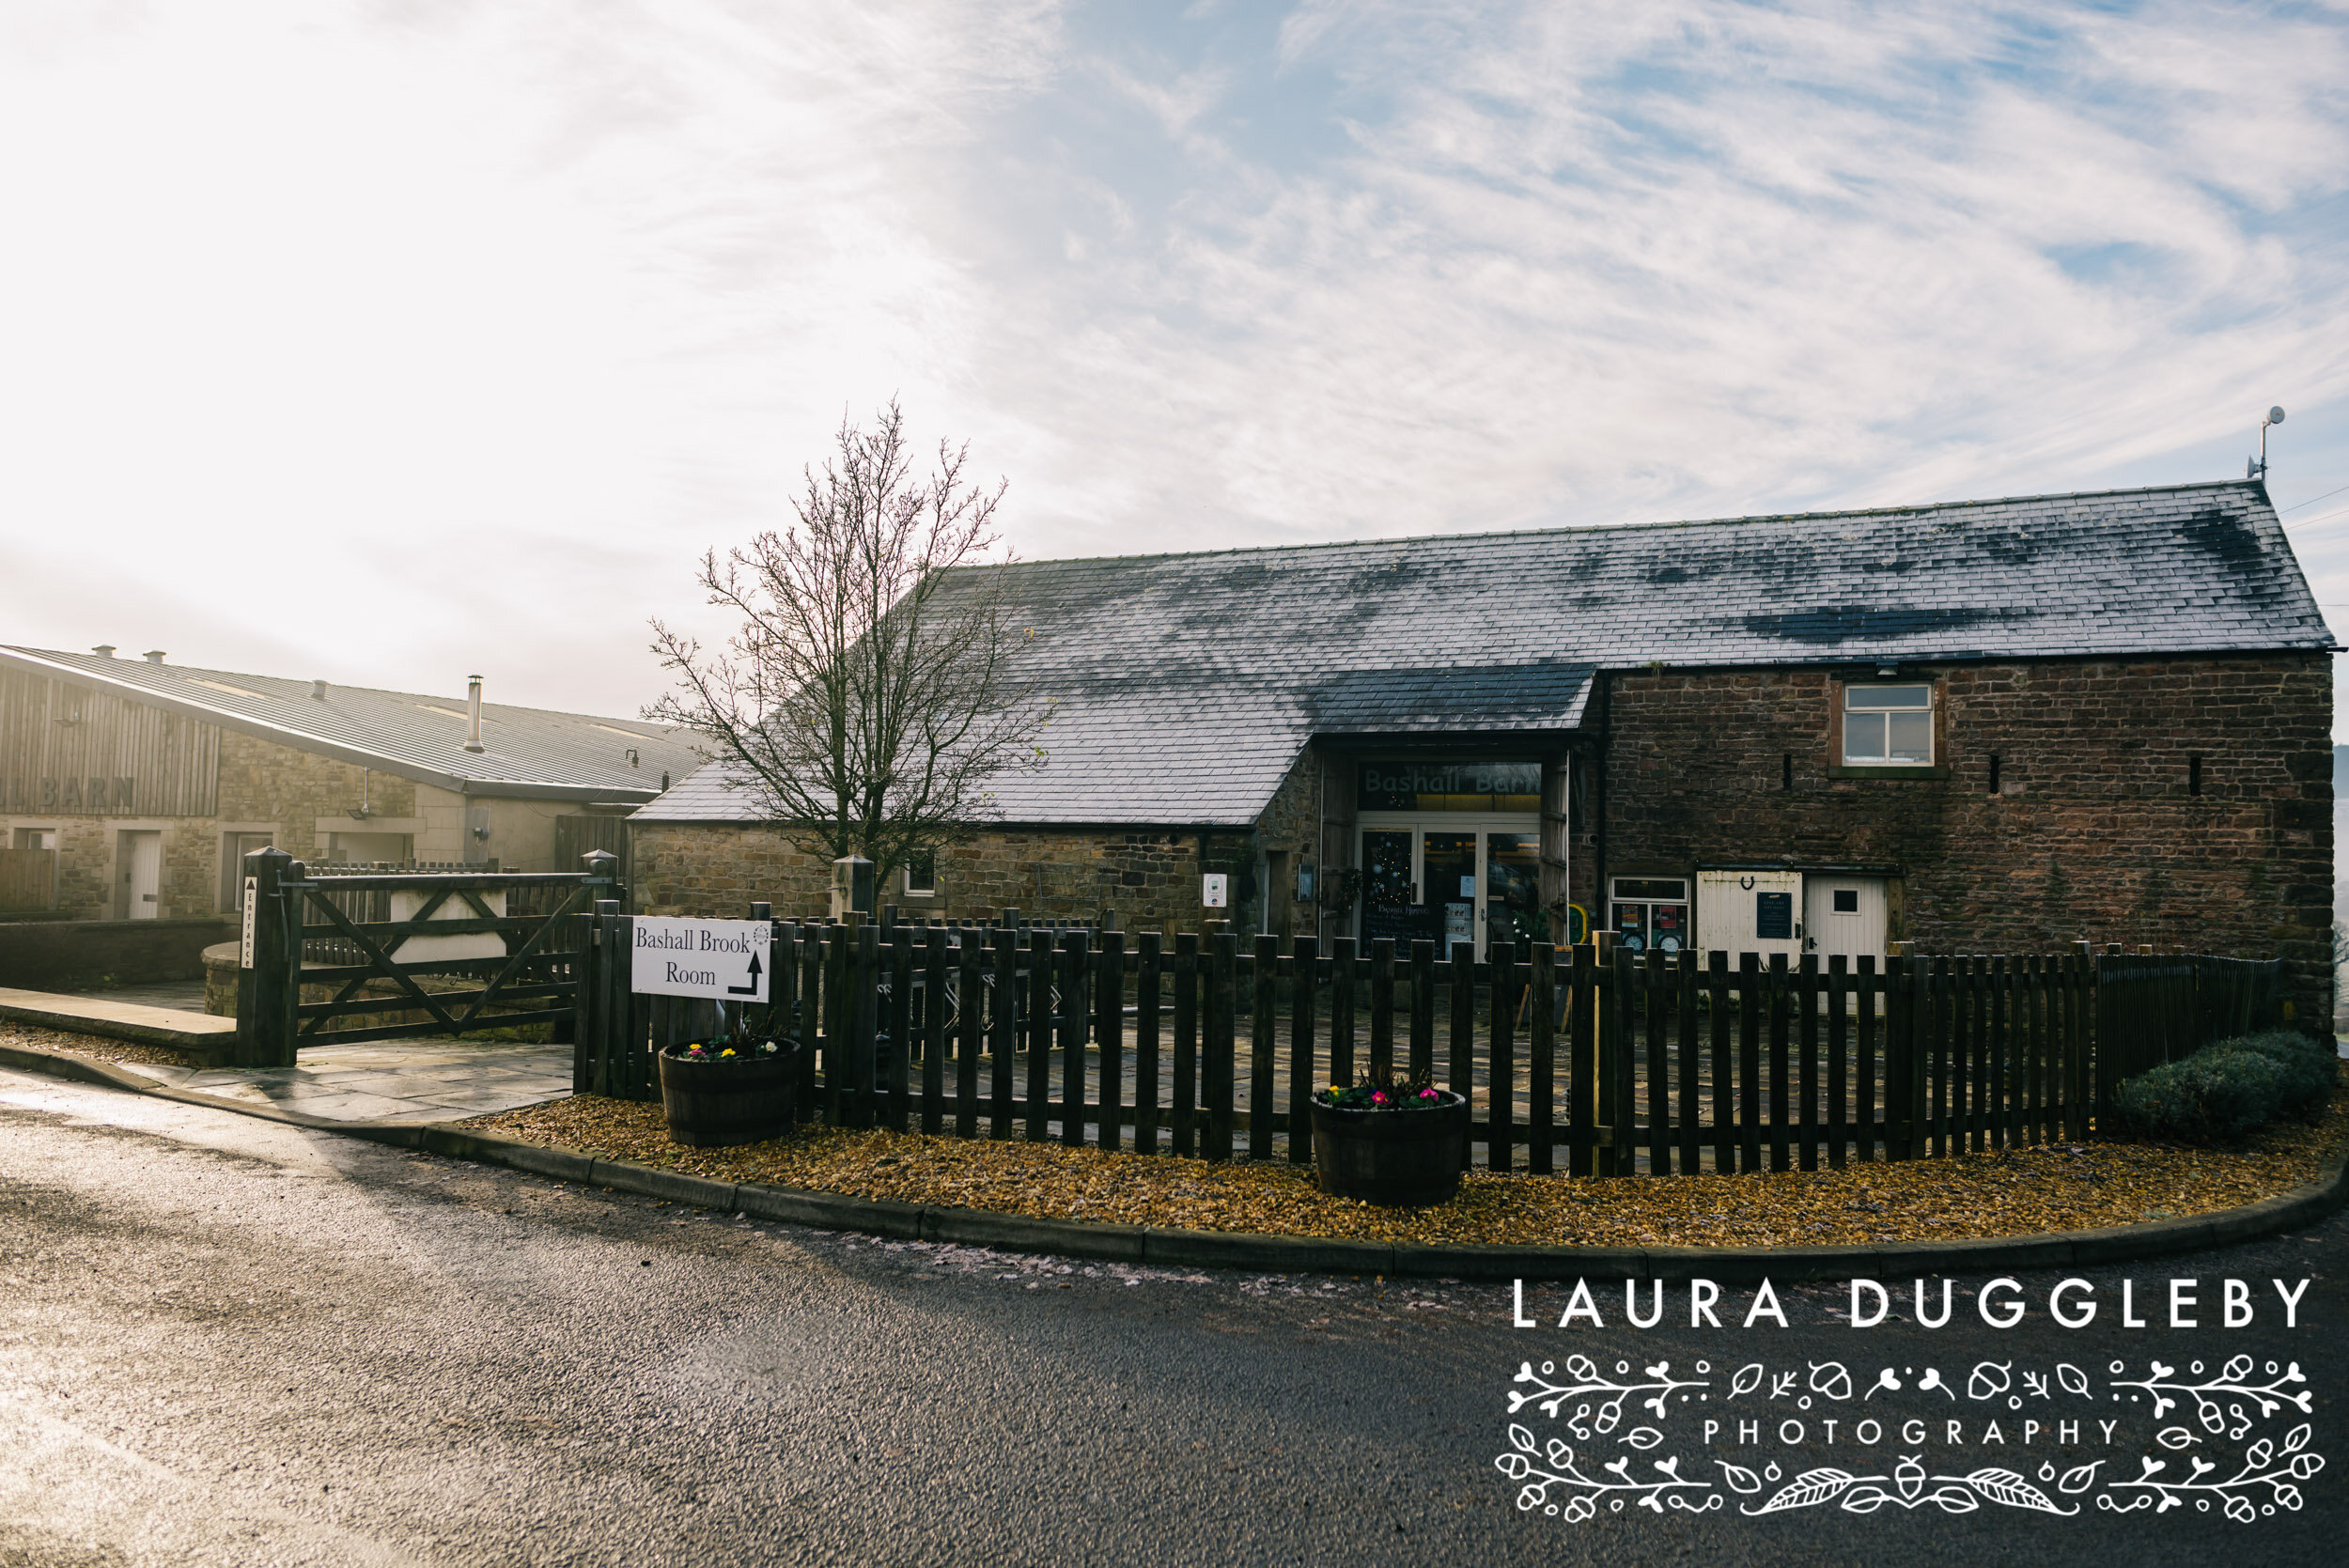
<point>1448,862</point>
<point>1452,882</point>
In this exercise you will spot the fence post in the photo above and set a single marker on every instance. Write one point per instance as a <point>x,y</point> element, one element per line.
<point>1541,1059</point>
<point>587,992</point>
<point>1222,1000</point>
<point>1262,1044</point>
<point>1109,1035</point>
<point>1186,1068</point>
<point>269,986</point>
<point>1582,1062</point>
<point>1900,1052</point>
<point>1073,973</point>
<point>1381,1006</point>
<point>1305,955</point>
<point>1422,1008</point>
<point>1150,970</point>
<point>1500,1069</point>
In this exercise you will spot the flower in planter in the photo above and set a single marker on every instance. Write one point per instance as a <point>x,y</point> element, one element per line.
<point>1382,1092</point>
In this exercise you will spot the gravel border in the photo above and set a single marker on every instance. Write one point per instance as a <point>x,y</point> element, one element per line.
<point>1144,1244</point>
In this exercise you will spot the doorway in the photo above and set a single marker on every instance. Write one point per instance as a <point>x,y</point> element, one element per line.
<point>1845,914</point>
<point>139,864</point>
<point>1453,878</point>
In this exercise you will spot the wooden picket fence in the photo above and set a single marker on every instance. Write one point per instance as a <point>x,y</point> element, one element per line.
<point>1591,1059</point>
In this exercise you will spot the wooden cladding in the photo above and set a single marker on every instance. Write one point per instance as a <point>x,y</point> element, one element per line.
<point>66,750</point>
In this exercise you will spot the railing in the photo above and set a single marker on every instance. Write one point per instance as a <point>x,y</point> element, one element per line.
<point>1588,1058</point>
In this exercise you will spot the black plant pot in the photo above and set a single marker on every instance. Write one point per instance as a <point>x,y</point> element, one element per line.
<point>1401,1158</point>
<point>729,1099</point>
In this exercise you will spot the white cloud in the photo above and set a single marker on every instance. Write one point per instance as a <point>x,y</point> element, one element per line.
<point>455,332</point>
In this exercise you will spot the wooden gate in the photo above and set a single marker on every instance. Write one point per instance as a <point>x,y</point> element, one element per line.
<point>339,959</point>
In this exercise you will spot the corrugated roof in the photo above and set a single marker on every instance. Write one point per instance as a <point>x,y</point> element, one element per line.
<point>1187,684</point>
<point>527,751</point>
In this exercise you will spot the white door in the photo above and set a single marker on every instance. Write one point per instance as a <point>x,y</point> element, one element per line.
<point>1750,911</point>
<point>142,875</point>
<point>1845,914</point>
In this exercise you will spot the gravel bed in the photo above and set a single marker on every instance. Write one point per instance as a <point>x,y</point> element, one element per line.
<point>96,1048</point>
<point>2017,1192</point>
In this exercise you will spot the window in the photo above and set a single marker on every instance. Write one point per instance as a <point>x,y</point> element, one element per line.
<point>1650,913</point>
<point>1888,725</point>
<point>921,872</point>
<point>1846,901</point>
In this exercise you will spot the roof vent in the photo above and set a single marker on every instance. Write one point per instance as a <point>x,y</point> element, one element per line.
<point>318,690</point>
<point>473,707</point>
<point>153,656</point>
<point>104,650</point>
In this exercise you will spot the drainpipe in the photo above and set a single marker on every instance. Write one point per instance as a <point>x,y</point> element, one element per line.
<point>473,707</point>
<point>1600,913</point>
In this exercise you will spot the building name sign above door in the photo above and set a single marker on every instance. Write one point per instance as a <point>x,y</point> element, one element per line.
<point>1451,787</point>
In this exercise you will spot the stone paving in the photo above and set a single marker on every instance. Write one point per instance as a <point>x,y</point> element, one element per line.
<point>391,1081</point>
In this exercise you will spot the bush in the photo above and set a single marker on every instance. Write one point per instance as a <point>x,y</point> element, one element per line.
<point>2309,1067</point>
<point>2226,1089</point>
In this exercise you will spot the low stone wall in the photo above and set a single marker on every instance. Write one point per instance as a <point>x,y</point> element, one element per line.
<point>55,955</point>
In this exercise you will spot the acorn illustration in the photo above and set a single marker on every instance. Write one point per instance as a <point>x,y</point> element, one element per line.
<point>1910,1475</point>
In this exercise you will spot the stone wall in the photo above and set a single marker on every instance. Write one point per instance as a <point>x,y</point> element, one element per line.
<point>717,870</point>
<point>2096,829</point>
<point>50,955</point>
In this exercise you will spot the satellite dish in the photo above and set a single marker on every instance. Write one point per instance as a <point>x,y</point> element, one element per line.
<point>2276,416</point>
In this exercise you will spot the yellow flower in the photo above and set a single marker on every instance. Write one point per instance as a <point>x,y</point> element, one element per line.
<point>728,1051</point>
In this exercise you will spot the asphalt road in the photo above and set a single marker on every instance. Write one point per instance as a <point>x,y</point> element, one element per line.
<point>224,1341</point>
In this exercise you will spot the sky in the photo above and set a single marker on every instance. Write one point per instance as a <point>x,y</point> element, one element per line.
<point>388,341</point>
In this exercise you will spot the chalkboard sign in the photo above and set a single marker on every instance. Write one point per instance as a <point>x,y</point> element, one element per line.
<point>1774,916</point>
<point>1405,923</point>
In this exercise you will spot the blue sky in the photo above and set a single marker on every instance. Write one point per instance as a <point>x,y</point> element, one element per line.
<point>390,341</point>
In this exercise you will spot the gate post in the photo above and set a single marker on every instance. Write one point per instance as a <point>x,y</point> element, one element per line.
<point>269,981</point>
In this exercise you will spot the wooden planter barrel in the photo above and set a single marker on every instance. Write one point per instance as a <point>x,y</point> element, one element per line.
<point>728,1100</point>
<point>1404,1159</point>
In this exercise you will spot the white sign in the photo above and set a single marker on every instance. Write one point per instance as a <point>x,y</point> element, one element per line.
<point>1212,890</point>
<point>244,953</point>
<point>724,960</point>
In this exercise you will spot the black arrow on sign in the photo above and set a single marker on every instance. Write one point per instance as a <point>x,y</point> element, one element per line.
<point>751,990</point>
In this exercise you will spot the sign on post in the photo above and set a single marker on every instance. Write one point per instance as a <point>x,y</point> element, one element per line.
<point>244,949</point>
<point>722,961</point>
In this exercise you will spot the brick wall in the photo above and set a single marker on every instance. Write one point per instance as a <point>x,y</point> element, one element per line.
<point>2094,831</point>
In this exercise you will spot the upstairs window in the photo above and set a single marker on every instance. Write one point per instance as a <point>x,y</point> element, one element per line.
<point>1888,725</point>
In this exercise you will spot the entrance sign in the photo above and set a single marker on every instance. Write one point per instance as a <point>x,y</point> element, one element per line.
<point>722,961</point>
<point>244,949</point>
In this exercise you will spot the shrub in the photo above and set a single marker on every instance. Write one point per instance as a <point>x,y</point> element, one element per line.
<point>2309,1067</point>
<point>2227,1088</point>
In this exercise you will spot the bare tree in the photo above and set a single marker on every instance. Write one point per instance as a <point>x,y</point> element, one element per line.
<point>866,699</point>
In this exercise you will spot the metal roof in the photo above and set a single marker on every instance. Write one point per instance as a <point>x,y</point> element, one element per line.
<point>528,751</point>
<point>1185,685</point>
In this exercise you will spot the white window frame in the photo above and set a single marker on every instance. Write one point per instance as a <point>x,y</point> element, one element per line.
<point>905,875</point>
<point>1882,713</point>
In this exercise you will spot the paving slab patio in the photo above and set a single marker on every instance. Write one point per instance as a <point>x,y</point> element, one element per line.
<point>394,1080</point>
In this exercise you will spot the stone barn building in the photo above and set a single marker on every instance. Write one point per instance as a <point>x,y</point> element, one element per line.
<point>1983,726</point>
<point>131,788</point>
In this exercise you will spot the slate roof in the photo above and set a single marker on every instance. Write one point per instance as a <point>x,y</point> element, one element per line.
<point>1187,684</point>
<point>529,752</point>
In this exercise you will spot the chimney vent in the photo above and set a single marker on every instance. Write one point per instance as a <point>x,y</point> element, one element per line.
<point>154,656</point>
<point>318,690</point>
<point>104,650</point>
<point>472,708</point>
